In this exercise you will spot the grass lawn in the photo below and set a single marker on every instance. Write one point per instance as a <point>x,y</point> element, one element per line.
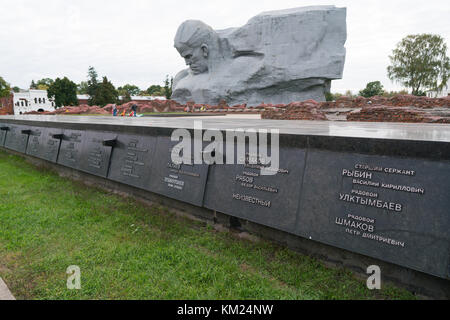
<point>130,251</point>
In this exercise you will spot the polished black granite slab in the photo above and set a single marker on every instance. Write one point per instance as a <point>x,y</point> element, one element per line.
<point>394,209</point>
<point>132,158</point>
<point>17,137</point>
<point>3,129</point>
<point>378,189</point>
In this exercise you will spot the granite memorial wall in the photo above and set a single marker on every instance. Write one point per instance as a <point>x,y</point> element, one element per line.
<point>387,199</point>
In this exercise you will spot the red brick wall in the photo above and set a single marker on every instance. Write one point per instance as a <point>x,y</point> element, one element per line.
<point>7,105</point>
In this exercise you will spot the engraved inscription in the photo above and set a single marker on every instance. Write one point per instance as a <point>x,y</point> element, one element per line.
<point>95,158</point>
<point>373,177</point>
<point>35,142</point>
<point>133,159</point>
<point>248,179</point>
<point>71,152</point>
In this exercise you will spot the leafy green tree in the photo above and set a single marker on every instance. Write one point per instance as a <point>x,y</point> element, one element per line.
<point>374,88</point>
<point>92,85</point>
<point>155,90</point>
<point>420,62</point>
<point>168,84</point>
<point>349,94</point>
<point>332,96</point>
<point>132,90</point>
<point>5,89</point>
<point>16,89</point>
<point>63,92</point>
<point>105,93</point>
<point>394,93</point>
<point>143,93</point>
<point>44,84</point>
<point>126,98</point>
<point>82,87</point>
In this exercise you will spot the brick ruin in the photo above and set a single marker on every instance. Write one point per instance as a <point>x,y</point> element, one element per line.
<point>400,108</point>
<point>7,105</point>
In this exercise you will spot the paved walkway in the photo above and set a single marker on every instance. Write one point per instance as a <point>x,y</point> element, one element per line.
<point>5,294</point>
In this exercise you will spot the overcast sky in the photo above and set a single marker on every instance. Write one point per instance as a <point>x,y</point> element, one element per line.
<point>132,41</point>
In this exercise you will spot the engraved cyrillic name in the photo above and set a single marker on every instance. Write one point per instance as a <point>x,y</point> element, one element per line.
<point>253,200</point>
<point>392,206</point>
<point>133,159</point>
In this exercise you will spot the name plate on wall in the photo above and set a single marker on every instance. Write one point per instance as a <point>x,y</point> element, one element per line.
<point>71,148</point>
<point>394,209</point>
<point>179,181</point>
<point>242,191</point>
<point>3,130</point>
<point>132,158</point>
<point>96,152</point>
<point>17,138</point>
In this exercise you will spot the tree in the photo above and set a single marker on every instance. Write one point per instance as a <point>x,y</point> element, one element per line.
<point>44,84</point>
<point>5,89</point>
<point>82,87</point>
<point>105,93</point>
<point>374,88</point>
<point>332,96</point>
<point>155,90</point>
<point>168,87</point>
<point>390,94</point>
<point>349,94</point>
<point>92,85</point>
<point>16,89</point>
<point>63,92</point>
<point>132,90</point>
<point>420,62</point>
<point>126,97</point>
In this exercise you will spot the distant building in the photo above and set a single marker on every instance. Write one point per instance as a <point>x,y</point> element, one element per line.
<point>32,100</point>
<point>37,100</point>
<point>82,99</point>
<point>438,94</point>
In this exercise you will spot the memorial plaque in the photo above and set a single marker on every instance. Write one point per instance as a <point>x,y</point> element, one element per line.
<point>96,152</point>
<point>70,149</point>
<point>131,159</point>
<point>51,142</point>
<point>3,130</point>
<point>35,146</point>
<point>183,182</point>
<point>394,209</point>
<point>242,191</point>
<point>15,139</point>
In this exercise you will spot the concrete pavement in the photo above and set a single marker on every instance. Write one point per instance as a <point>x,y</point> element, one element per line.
<point>5,294</point>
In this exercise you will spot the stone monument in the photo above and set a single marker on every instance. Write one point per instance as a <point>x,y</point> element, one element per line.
<point>277,57</point>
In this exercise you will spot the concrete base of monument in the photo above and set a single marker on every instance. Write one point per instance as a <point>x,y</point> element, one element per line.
<point>422,284</point>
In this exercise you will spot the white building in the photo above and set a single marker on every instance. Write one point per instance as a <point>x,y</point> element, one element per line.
<point>443,93</point>
<point>37,100</point>
<point>32,100</point>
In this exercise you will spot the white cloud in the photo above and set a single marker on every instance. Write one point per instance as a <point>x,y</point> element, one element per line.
<point>132,41</point>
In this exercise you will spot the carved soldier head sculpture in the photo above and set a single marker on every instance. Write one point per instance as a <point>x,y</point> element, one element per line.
<point>193,41</point>
<point>277,57</point>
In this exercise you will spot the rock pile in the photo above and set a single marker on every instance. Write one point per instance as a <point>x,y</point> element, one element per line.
<point>400,114</point>
<point>400,108</point>
<point>306,110</point>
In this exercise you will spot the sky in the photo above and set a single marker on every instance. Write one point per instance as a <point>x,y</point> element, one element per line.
<point>132,41</point>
